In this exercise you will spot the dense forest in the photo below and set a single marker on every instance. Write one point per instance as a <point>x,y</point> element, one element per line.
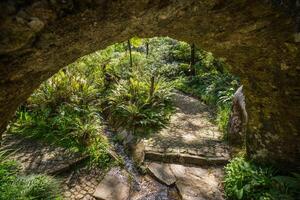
<point>129,88</point>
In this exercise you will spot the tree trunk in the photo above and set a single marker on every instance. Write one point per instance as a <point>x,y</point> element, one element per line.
<point>192,61</point>
<point>130,55</point>
<point>147,49</point>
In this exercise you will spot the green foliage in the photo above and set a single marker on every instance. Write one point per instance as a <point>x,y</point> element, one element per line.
<point>136,42</point>
<point>66,109</point>
<point>180,51</point>
<point>14,185</point>
<point>223,114</point>
<point>132,107</point>
<point>212,87</point>
<point>99,151</point>
<point>245,180</point>
<point>40,187</point>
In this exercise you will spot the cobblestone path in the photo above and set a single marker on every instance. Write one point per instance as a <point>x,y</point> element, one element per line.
<point>190,138</point>
<point>78,182</point>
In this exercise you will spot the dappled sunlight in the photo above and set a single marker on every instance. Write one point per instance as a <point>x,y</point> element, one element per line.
<point>152,105</point>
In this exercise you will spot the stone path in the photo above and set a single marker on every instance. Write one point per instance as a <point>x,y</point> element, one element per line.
<point>38,157</point>
<point>81,183</point>
<point>190,138</point>
<point>78,182</point>
<point>189,153</point>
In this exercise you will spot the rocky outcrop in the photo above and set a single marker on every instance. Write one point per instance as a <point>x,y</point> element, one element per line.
<point>257,39</point>
<point>238,118</point>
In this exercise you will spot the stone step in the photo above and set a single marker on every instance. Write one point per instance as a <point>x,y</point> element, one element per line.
<point>185,159</point>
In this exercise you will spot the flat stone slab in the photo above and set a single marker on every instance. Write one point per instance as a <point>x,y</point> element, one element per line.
<point>193,183</point>
<point>190,138</point>
<point>114,186</point>
<point>162,172</point>
<point>184,159</point>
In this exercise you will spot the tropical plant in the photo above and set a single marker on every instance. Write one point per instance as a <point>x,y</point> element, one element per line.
<point>248,181</point>
<point>132,106</point>
<point>66,109</point>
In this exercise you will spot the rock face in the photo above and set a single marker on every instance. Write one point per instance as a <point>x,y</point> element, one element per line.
<point>257,39</point>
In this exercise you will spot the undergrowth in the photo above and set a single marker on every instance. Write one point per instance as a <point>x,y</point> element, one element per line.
<point>132,106</point>
<point>65,111</point>
<point>15,185</point>
<point>248,181</point>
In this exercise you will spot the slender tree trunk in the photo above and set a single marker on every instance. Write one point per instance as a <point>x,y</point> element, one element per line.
<point>130,55</point>
<point>152,86</point>
<point>192,62</point>
<point>147,49</point>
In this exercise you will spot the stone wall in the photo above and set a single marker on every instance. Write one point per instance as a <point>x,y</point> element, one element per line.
<point>257,39</point>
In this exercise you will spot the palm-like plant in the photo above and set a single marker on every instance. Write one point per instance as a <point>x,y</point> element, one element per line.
<point>133,108</point>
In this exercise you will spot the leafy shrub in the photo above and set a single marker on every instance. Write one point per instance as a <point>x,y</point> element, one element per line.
<point>119,67</point>
<point>8,175</point>
<point>180,51</point>
<point>132,106</point>
<point>65,110</point>
<point>223,114</point>
<point>64,126</point>
<point>99,152</point>
<point>245,180</point>
<point>40,187</point>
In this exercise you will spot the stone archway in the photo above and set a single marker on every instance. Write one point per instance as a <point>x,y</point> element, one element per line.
<point>257,39</point>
